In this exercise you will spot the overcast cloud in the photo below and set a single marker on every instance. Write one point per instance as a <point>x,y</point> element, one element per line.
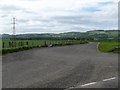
<point>55,16</point>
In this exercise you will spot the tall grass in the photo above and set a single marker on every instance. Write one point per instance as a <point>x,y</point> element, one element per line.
<point>112,46</point>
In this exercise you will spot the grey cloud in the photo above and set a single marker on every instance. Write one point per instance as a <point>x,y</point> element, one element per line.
<point>22,20</point>
<point>4,16</point>
<point>12,8</point>
<point>89,21</point>
<point>9,8</point>
<point>28,11</point>
<point>68,19</point>
<point>42,20</point>
<point>73,20</point>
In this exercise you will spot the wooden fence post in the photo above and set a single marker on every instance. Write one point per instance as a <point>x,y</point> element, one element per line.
<point>10,44</point>
<point>27,43</point>
<point>3,45</point>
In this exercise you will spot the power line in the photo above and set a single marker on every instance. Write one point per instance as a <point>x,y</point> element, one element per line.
<point>14,27</point>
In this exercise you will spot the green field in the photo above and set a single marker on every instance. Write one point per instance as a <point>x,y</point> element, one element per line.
<point>32,43</point>
<point>10,46</point>
<point>113,47</point>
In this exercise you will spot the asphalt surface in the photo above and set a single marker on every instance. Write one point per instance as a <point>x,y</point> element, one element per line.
<point>60,67</point>
<point>106,83</point>
<point>103,84</point>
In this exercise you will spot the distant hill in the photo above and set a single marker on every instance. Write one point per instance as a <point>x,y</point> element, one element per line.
<point>104,33</point>
<point>95,34</point>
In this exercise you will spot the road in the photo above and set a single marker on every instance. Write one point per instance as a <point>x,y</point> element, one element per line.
<point>60,67</point>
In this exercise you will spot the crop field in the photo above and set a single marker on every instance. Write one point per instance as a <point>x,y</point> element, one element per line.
<point>112,46</point>
<point>9,46</point>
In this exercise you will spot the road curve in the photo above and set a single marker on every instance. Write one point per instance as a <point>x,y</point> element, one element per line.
<point>58,67</point>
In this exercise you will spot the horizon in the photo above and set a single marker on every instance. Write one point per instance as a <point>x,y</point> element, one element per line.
<point>58,33</point>
<point>53,16</point>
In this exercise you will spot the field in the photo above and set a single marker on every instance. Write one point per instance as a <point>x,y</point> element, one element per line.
<point>9,46</point>
<point>112,46</point>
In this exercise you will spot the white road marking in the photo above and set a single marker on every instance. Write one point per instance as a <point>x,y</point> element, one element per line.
<point>109,79</point>
<point>89,84</point>
<point>92,83</point>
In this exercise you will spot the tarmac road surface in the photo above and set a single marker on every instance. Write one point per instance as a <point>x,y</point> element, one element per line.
<point>60,67</point>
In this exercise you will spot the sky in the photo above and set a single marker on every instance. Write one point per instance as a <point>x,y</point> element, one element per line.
<point>58,16</point>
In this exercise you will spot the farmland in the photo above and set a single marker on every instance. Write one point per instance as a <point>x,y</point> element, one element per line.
<point>29,41</point>
<point>112,46</point>
<point>9,46</point>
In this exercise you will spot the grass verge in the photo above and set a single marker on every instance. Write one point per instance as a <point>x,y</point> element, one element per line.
<point>17,49</point>
<point>109,47</point>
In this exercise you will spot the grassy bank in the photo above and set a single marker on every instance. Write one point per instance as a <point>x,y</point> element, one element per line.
<point>109,47</point>
<point>20,45</point>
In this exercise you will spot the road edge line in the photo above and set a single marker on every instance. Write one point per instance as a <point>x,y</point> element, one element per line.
<point>89,84</point>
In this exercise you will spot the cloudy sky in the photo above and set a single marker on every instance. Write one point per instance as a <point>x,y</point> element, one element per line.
<point>56,16</point>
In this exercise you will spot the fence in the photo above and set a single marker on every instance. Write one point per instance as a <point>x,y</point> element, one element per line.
<point>13,44</point>
<point>32,43</point>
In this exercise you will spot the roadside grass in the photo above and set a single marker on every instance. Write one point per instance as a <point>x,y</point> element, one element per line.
<point>37,44</point>
<point>9,50</point>
<point>109,47</point>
